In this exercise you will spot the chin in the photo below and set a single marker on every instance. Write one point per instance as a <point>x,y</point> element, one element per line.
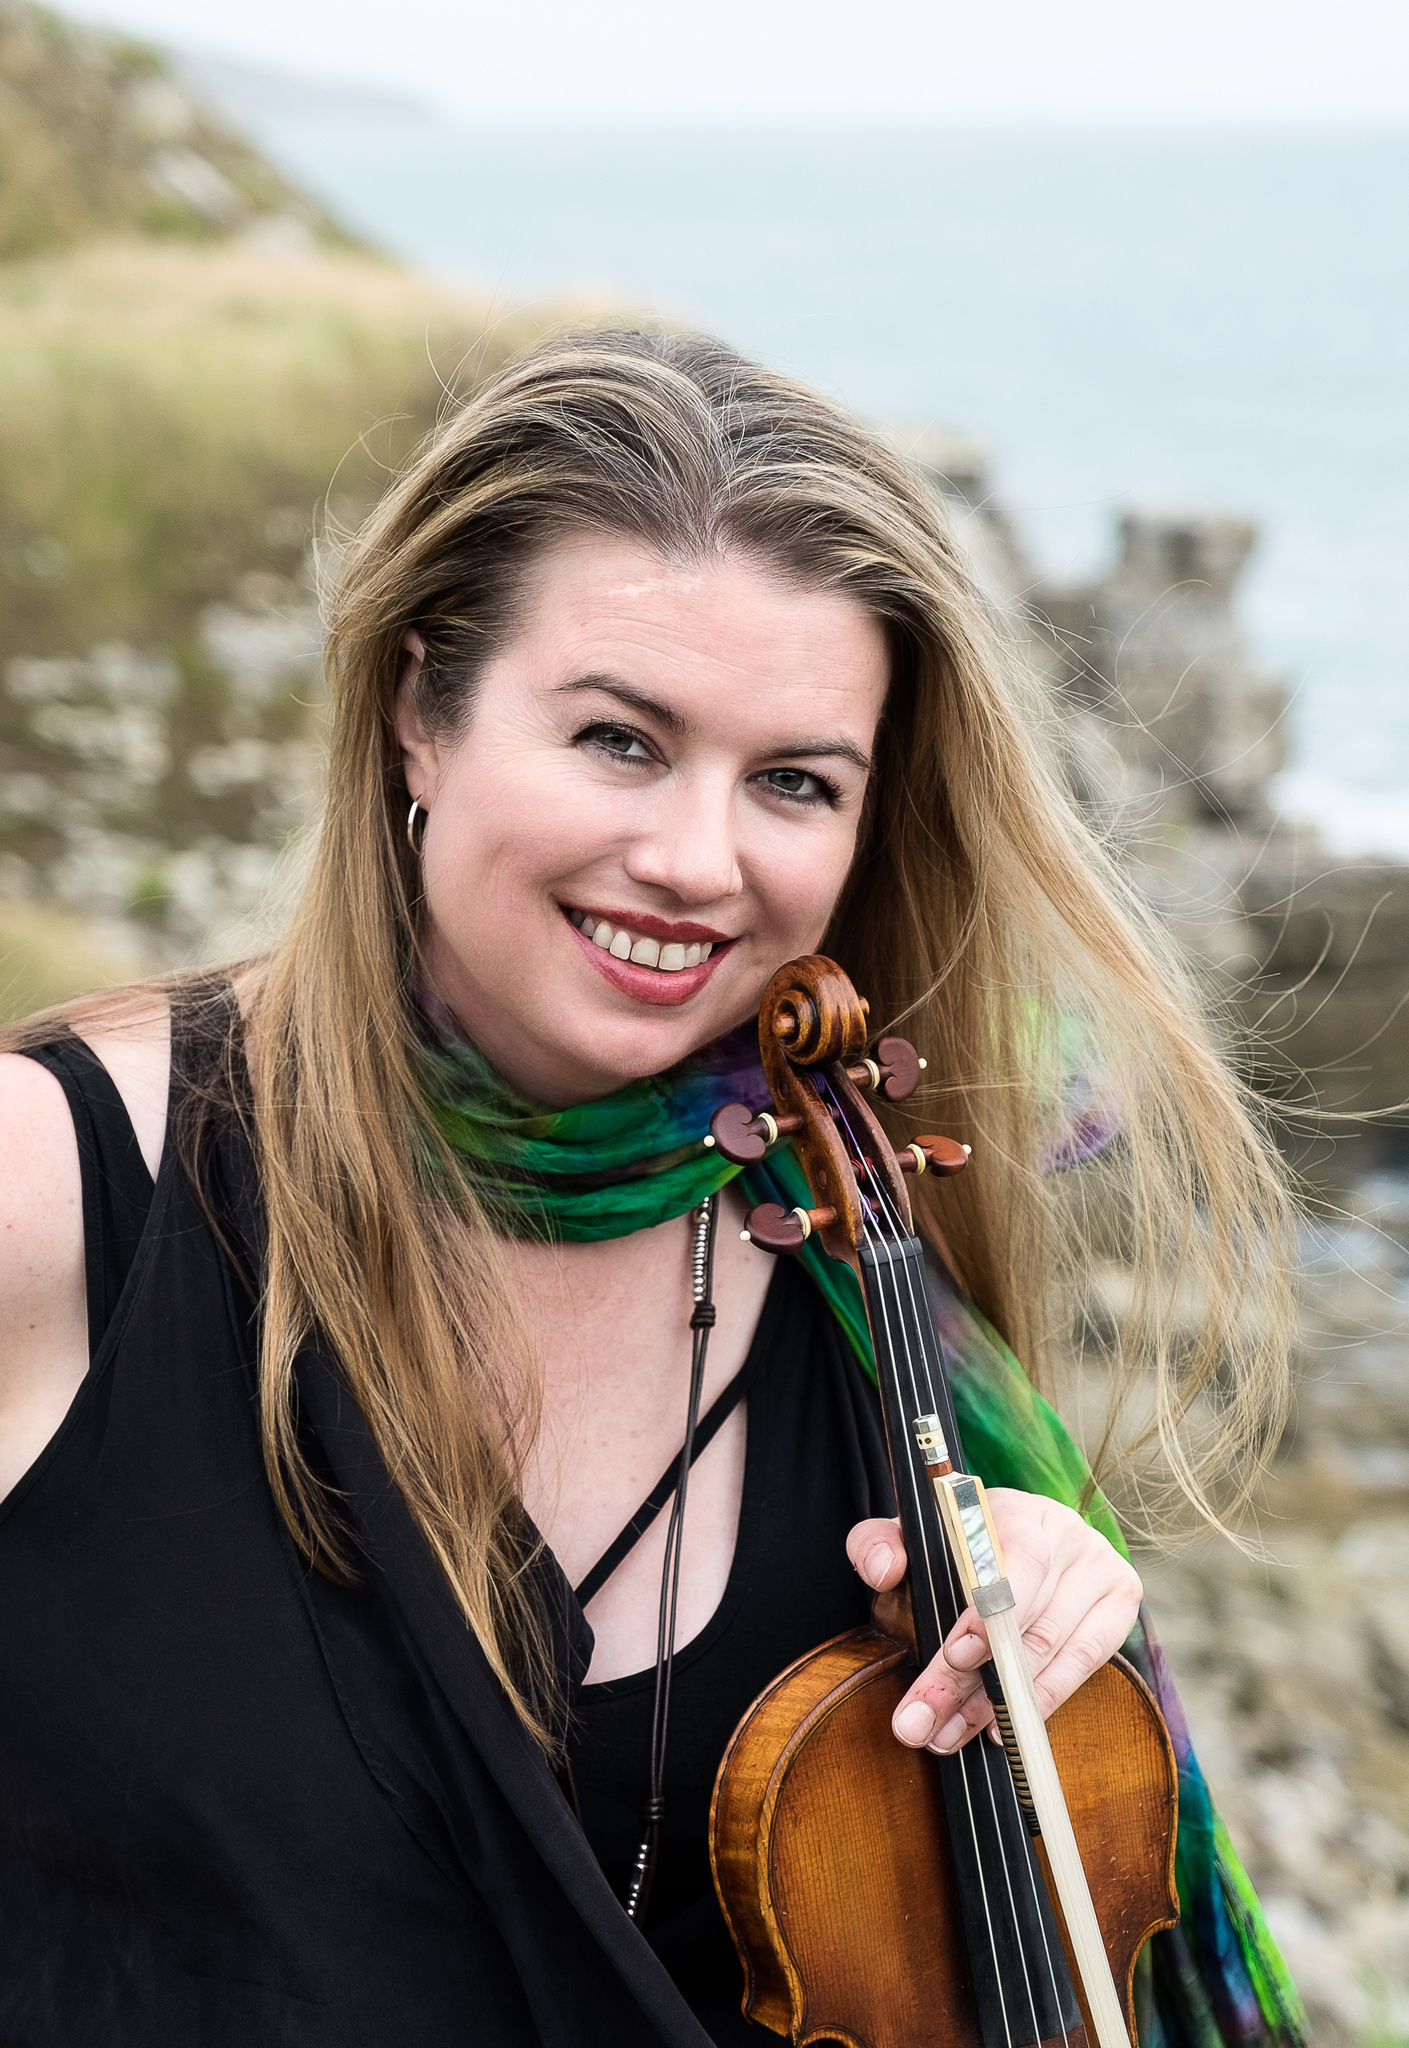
<point>632,1052</point>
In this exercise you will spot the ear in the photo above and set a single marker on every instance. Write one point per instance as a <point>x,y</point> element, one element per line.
<point>420,755</point>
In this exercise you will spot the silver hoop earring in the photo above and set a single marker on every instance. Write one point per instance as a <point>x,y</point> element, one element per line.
<point>411,839</point>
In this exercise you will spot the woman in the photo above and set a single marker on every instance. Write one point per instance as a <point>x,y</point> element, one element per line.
<point>347,1304</point>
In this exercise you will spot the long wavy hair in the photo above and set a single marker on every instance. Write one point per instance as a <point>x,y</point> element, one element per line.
<point>981,914</point>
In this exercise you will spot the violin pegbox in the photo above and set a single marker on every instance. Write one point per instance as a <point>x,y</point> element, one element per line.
<point>812,1033</point>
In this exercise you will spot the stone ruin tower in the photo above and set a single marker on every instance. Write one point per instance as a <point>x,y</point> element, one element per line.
<point>1155,650</point>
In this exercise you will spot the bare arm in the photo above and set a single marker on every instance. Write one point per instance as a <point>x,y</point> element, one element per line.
<point>43,1302</point>
<point>43,1297</point>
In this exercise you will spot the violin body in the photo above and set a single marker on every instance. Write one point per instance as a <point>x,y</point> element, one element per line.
<point>878,1895</point>
<point>822,1821</point>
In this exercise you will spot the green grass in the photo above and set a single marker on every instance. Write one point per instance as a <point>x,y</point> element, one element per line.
<point>171,419</point>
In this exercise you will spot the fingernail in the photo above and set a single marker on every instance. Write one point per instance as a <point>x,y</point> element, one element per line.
<point>967,1651</point>
<point>950,1735</point>
<point>914,1724</point>
<point>877,1562</point>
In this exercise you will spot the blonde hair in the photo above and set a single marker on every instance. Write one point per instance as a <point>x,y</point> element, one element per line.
<point>980,909</point>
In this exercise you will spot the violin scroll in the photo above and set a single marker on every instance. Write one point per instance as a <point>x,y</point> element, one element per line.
<point>812,1014</point>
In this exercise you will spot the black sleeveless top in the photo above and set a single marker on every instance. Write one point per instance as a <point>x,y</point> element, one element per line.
<point>239,1804</point>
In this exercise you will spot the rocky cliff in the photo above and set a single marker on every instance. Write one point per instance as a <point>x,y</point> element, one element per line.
<point>1176,731</point>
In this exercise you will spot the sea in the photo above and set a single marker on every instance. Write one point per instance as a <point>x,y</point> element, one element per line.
<point>1208,316</point>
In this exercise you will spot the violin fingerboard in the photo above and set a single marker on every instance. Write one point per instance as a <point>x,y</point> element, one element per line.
<point>1022,1987</point>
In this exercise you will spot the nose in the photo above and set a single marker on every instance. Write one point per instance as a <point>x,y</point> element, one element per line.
<point>688,842</point>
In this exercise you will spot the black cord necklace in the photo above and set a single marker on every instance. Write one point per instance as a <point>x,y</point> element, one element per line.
<point>638,1891</point>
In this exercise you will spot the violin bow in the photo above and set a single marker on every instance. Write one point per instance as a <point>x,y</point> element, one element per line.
<point>813,1035</point>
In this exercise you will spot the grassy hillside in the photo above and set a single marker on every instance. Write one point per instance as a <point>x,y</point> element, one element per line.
<point>97,138</point>
<point>170,417</point>
<point>171,420</point>
<point>45,957</point>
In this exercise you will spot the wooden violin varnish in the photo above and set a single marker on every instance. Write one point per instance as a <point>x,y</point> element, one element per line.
<point>884,1896</point>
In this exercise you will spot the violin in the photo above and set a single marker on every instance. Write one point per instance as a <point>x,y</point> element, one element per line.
<point>878,1895</point>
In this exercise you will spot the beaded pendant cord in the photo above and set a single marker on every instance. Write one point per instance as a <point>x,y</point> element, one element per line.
<point>643,1871</point>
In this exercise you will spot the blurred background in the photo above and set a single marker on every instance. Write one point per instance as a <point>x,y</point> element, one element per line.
<point>1131,284</point>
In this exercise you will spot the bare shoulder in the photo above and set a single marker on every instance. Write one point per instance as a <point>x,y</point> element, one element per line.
<point>43,1295</point>
<point>38,1151</point>
<point>132,1038</point>
<point>43,1308</point>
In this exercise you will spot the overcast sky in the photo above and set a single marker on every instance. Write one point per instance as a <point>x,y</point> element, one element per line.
<point>860,60</point>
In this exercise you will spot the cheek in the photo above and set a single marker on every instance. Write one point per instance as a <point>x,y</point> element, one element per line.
<point>801,887</point>
<point>510,824</point>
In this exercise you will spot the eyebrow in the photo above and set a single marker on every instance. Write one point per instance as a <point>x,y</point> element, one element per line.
<point>832,747</point>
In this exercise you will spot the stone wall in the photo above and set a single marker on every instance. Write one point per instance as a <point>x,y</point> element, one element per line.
<point>1294,1665</point>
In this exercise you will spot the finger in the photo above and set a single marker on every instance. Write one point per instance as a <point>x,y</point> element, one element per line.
<point>966,1646</point>
<point>1076,1597</point>
<point>942,1709</point>
<point>1096,1597</point>
<point>940,1717</point>
<point>1083,1650</point>
<point>877,1553</point>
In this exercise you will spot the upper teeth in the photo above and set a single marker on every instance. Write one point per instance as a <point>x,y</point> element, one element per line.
<point>624,945</point>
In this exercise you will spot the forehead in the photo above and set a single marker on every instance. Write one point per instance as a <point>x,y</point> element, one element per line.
<point>722,633</point>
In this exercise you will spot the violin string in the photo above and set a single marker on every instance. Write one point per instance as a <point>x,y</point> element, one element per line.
<point>895,1351</point>
<point>898,1227</point>
<point>962,1757</point>
<point>900,1235</point>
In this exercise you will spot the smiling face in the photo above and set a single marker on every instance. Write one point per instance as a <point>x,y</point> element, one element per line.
<point>653,805</point>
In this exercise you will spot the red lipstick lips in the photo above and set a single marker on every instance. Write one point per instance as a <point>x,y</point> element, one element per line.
<point>664,988</point>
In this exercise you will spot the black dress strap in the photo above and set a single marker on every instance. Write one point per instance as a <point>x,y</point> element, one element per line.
<point>706,1429</point>
<point>117,1188</point>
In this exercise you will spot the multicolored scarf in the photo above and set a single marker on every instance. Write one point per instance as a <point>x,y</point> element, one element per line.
<point>634,1159</point>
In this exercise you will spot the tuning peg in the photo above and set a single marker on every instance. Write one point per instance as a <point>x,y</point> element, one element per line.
<point>775,1229</point>
<point>933,1155</point>
<point>744,1137</point>
<point>901,1067</point>
<point>894,1071</point>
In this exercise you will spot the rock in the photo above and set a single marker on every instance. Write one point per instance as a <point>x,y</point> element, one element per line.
<point>1155,648</point>
<point>1293,1665</point>
<point>1309,953</point>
